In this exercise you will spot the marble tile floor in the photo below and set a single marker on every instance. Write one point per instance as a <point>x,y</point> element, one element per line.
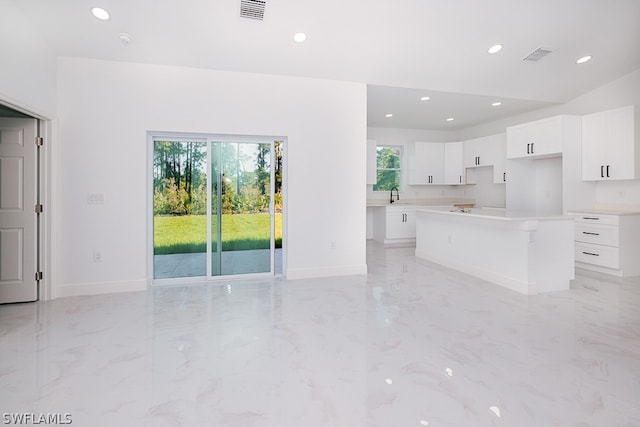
<point>410,344</point>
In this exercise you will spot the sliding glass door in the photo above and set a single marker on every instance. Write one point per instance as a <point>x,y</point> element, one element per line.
<point>242,220</point>
<point>217,207</point>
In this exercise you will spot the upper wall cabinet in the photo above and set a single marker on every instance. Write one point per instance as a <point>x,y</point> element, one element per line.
<point>486,151</point>
<point>499,143</point>
<point>426,163</point>
<point>372,173</point>
<point>610,145</point>
<point>453,163</point>
<point>542,138</point>
<point>479,152</point>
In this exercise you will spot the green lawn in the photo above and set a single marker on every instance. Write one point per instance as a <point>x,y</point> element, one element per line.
<point>188,233</point>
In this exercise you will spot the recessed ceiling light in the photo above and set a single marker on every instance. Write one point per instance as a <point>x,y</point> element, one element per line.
<point>299,37</point>
<point>495,48</point>
<point>450,119</point>
<point>388,115</point>
<point>583,59</point>
<point>496,104</point>
<point>100,13</point>
<point>425,98</point>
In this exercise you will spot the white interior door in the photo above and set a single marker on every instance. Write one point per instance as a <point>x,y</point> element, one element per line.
<point>18,221</point>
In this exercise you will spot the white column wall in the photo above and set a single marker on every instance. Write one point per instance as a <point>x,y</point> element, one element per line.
<point>105,110</point>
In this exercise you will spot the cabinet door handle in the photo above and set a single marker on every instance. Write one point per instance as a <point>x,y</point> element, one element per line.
<point>591,218</point>
<point>528,148</point>
<point>590,233</point>
<point>602,171</point>
<point>460,179</point>
<point>608,172</point>
<point>504,177</point>
<point>532,148</point>
<point>590,253</point>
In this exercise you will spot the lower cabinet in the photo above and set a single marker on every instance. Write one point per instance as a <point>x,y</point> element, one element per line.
<point>397,224</point>
<point>608,243</point>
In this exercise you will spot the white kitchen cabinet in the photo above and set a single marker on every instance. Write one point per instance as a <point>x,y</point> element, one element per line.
<point>401,223</point>
<point>610,145</point>
<point>372,157</point>
<point>479,152</point>
<point>499,144</point>
<point>608,242</point>
<point>539,139</point>
<point>426,163</point>
<point>454,163</point>
<point>486,151</point>
<point>396,224</point>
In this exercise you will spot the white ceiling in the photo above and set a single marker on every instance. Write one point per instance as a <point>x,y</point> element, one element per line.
<point>402,48</point>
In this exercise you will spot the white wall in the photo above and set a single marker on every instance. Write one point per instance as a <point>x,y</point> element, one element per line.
<point>105,110</point>
<point>28,70</point>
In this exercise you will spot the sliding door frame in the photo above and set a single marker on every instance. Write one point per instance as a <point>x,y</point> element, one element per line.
<point>153,136</point>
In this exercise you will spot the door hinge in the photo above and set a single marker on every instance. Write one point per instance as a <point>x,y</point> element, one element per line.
<point>39,141</point>
<point>39,276</point>
<point>39,209</point>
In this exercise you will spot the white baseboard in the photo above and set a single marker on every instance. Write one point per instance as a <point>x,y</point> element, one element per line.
<point>311,273</point>
<point>80,289</point>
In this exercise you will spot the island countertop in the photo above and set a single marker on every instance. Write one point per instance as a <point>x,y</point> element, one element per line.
<point>498,214</point>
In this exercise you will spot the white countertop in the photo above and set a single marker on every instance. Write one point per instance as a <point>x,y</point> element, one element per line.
<point>502,215</point>
<point>606,211</point>
<point>419,202</point>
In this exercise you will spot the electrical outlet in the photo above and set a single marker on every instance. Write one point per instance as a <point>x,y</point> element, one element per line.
<point>95,199</point>
<point>97,256</point>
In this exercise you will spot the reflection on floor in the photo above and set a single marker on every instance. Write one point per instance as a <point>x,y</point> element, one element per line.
<point>233,262</point>
<point>410,344</point>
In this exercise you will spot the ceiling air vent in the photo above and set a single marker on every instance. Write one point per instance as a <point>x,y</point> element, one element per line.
<point>252,9</point>
<point>537,54</point>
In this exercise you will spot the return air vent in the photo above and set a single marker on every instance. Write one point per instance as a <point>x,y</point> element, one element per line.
<point>252,9</point>
<point>537,54</point>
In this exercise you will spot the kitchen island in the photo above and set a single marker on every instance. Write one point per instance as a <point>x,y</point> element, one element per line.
<point>525,252</point>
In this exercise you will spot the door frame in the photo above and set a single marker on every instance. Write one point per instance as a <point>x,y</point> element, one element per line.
<point>209,138</point>
<point>45,256</point>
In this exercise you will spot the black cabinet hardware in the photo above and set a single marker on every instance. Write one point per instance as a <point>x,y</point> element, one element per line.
<point>601,171</point>
<point>528,152</point>
<point>608,172</point>
<point>590,234</point>
<point>590,253</point>
<point>504,177</point>
<point>592,218</point>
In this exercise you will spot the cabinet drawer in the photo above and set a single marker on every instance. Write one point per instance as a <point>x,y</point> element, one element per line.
<point>590,218</point>
<point>604,256</point>
<point>600,234</point>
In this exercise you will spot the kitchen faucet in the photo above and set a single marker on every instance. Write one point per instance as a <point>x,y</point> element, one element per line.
<point>397,195</point>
